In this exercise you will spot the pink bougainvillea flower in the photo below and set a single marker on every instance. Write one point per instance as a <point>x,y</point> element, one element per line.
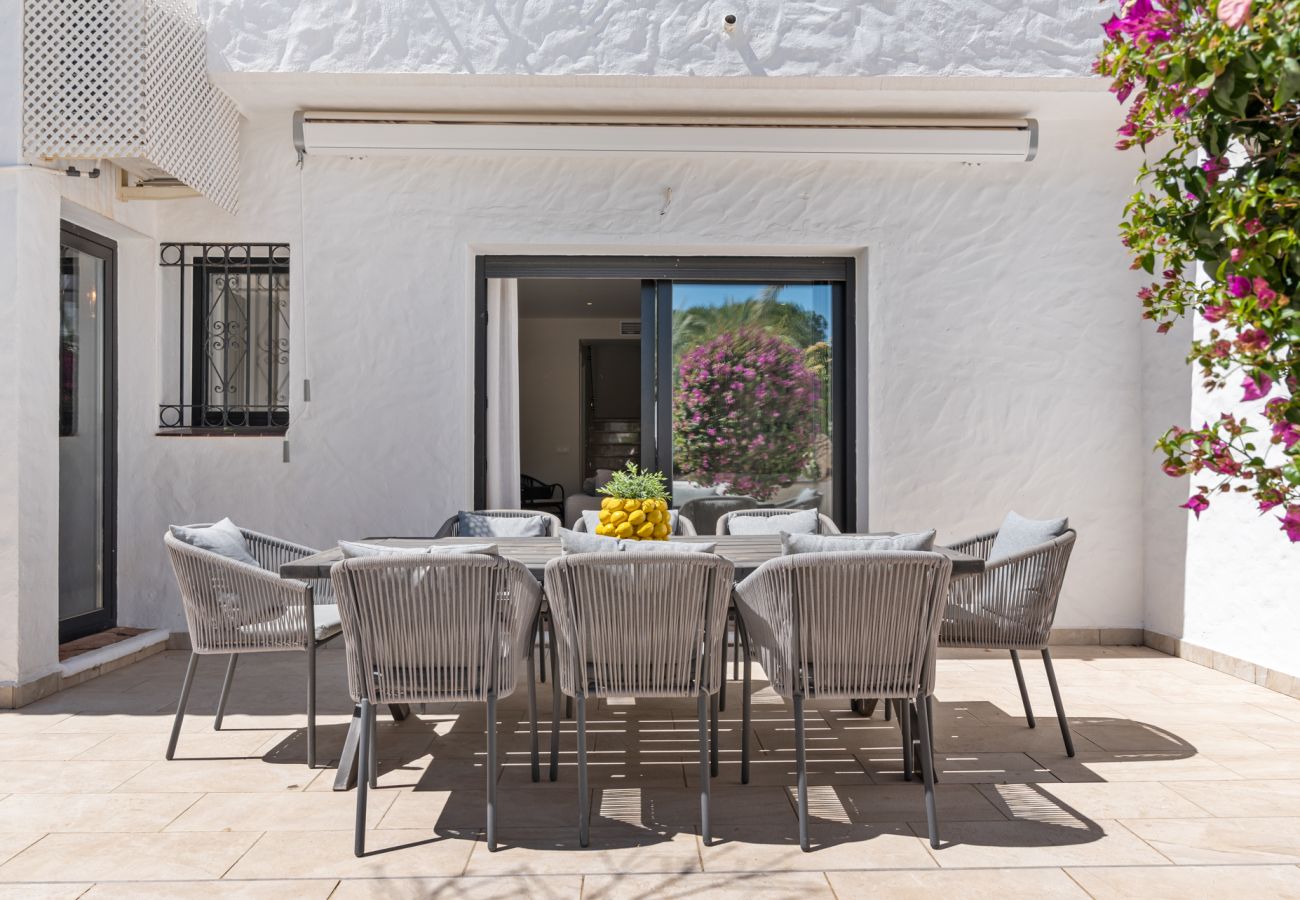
<point>1288,433</point>
<point>1253,226</point>
<point>1254,339</point>
<point>1235,254</point>
<point>1214,313</point>
<point>1238,285</point>
<point>1268,503</point>
<point>1122,94</point>
<point>1234,13</point>
<point>1265,293</point>
<point>1256,387</point>
<point>1197,504</point>
<point>1291,522</point>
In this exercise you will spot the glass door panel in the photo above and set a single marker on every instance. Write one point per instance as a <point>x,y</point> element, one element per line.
<point>751,380</point>
<point>85,436</point>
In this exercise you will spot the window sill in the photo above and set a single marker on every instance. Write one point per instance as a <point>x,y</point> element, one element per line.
<point>222,432</point>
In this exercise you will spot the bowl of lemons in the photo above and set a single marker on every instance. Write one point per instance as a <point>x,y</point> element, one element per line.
<point>635,506</point>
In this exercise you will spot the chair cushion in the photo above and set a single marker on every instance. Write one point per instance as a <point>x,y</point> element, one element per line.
<point>475,525</point>
<point>224,538</point>
<point>802,522</point>
<point>591,518</point>
<point>587,542</point>
<point>827,543</point>
<point>326,617</point>
<point>669,546</point>
<point>1018,534</point>
<point>354,550</point>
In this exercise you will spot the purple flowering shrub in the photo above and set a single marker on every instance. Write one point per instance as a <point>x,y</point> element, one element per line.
<point>1219,84</point>
<point>745,412</point>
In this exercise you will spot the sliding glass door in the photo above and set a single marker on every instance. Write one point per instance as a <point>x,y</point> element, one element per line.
<point>745,376</point>
<point>87,433</point>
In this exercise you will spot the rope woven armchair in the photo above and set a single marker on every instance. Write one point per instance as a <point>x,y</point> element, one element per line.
<point>637,625</point>
<point>430,629</point>
<point>451,527</point>
<point>232,607</point>
<point>840,626</point>
<point>825,525</point>
<point>1011,606</point>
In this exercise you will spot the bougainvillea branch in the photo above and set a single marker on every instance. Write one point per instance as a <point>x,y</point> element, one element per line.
<point>1218,84</point>
<point>745,412</point>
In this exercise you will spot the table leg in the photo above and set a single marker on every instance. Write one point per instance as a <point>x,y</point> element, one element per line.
<point>346,778</point>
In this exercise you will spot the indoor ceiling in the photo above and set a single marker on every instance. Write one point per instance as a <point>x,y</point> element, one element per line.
<point>579,298</point>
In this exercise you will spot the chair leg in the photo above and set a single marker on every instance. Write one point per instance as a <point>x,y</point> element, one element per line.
<point>363,783</point>
<point>225,691</point>
<point>927,771</point>
<point>929,720</point>
<point>735,648</point>
<point>801,764</point>
<point>491,766</point>
<point>746,713</point>
<point>1056,699</point>
<point>584,801</point>
<point>532,720</point>
<point>311,705</point>
<point>372,741</point>
<point>1024,691</point>
<point>722,660</point>
<point>889,710</point>
<point>905,725</point>
<point>184,701</point>
<point>541,647</point>
<point>555,717</point>
<point>713,733</point>
<point>701,712</point>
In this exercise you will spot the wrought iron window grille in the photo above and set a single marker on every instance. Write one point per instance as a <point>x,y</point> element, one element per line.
<point>230,322</point>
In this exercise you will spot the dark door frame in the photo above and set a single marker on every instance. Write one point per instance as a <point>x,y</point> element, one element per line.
<point>585,389</point>
<point>656,273</point>
<point>102,248</point>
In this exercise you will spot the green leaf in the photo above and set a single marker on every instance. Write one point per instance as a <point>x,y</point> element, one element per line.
<point>1288,83</point>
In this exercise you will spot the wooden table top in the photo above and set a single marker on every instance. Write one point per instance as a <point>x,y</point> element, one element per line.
<point>745,551</point>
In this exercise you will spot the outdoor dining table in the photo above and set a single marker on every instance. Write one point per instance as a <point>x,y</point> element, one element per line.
<point>745,551</point>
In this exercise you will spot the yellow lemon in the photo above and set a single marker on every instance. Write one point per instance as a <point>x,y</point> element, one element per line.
<point>602,529</point>
<point>645,531</point>
<point>636,517</point>
<point>647,505</point>
<point>617,516</point>
<point>631,504</point>
<point>661,531</point>
<point>654,517</point>
<point>623,529</point>
<point>604,515</point>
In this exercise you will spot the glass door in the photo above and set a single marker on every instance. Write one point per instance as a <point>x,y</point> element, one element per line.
<point>749,400</point>
<point>87,433</point>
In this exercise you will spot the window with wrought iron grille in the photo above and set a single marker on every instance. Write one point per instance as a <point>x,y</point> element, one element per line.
<point>226,331</point>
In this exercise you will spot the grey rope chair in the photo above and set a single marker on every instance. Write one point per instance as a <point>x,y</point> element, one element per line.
<point>233,608</point>
<point>451,527</point>
<point>1011,606</point>
<point>825,525</point>
<point>845,625</point>
<point>682,526</point>
<point>637,625</point>
<point>449,627</point>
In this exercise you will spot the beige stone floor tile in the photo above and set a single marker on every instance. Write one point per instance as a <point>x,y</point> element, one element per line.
<point>1099,800</point>
<point>535,887</point>
<point>151,747</point>
<point>841,768</point>
<point>217,776</point>
<point>967,768</point>
<point>680,807</point>
<point>1267,764</point>
<point>1280,736</point>
<point>760,847</point>
<point>93,812</point>
<point>1136,766</point>
<point>17,747</point>
<point>13,842</point>
<point>1234,799</point>
<point>1221,840</point>
<point>1170,883</point>
<point>613,849</point>
<point>290,811</point>
<point>705,886</point>
<point>287,889</point>
<point>67,776</point>
<point>328,854</point>
<point>985,884</point>
<point>467,809</point>
<point>1046,738</point>
<point>1170,715</point>
<point>113,723</point>
<point>1066,842</point>
<point>63,891</point>
<point>902,802</point>
<point>28,721</point>
<point>118,857</point>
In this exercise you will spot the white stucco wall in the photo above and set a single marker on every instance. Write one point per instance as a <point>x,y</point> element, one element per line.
<point>999,364</point>
<point>787,38</point>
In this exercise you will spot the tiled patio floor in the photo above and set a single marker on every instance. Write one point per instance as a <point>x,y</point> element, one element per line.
<point>1186,784</point>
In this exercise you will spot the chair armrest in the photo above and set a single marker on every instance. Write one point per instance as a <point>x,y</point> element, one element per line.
<point>447,529</point>
<point>979,545</point>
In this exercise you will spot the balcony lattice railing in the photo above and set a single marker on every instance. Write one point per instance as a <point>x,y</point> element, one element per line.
<point>126,81</point>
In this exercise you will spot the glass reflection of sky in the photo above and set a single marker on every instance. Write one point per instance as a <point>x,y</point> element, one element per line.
<point>814,296</point>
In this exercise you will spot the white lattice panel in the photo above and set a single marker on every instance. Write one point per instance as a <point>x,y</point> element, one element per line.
<point>127,80</point>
